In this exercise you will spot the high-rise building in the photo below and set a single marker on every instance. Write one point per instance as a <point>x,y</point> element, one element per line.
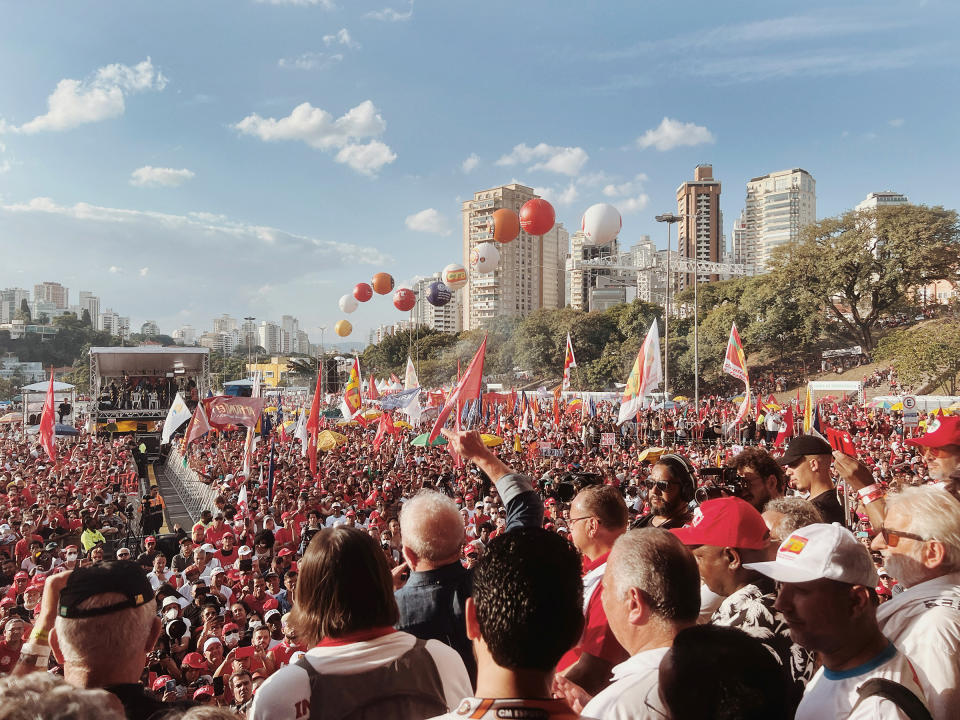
<point>532,269</point>
<point>882,199</point>
<point>222,342</point>
<point>582,281</point>
<point>10,301</point>
<point>117,325</point>
<point>779,206</point>
<point>651,287</point>
<point>149,329</point>
<point>90,303</point>
<point>445,318</point>
<point>701,229</point>
<point>269,336</point>
<point>185,335</point>
<point>224,324</point>
<point>288,333</point>
<point>249,334</point>
<point>52,292</point>
<point>744,250</point>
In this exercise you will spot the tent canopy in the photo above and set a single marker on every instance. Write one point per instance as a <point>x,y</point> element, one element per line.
<point>148,359</point>
<point>42,387</point>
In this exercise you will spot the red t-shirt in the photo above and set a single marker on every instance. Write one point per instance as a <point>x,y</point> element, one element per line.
<point>282,652</point>
<point>213,536</point>
<point>597,639</point>
<point>8,658</point>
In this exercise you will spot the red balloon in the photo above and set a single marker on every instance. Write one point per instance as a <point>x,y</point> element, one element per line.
<point>404,299</point>
<point>537,216</point>
<point>362,292</point>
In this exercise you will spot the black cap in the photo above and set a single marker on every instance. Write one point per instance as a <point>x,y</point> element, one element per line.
<point>805,445</point>
<point>121,576</point>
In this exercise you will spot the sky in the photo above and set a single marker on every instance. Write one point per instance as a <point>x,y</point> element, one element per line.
<point>260,157</point>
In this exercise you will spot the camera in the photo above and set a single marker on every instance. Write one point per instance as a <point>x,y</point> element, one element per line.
<point>572,483</point>
<point>726,484</point>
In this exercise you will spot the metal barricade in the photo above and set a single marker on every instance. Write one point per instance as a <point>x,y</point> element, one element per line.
<point>195,495</point>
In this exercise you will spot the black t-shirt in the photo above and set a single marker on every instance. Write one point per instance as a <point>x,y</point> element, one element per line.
<point>830,508</point>
<point>138,704</point>
<point>677,521</point>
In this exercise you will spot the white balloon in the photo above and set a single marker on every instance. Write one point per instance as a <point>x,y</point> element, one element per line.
<point>454,277</point>
<point>484,257</point>
<point>601,223</point>
<point>348,303</point>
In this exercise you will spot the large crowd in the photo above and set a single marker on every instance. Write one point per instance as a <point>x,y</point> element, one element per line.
<point>557,566</point>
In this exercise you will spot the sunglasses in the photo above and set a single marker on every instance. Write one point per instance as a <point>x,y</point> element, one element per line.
<point>892,537</point>
<point>661,485</point>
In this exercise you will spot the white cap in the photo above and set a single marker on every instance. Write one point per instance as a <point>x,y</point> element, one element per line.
<point>170,600</point>
<point>244,551</point>
<point>820,552</point>
<point>211,641</point>
<point>207,547</point>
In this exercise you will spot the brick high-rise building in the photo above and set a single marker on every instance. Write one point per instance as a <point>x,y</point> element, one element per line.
<point>532,269</point>
<point>52,292</point>
<point>701,230</point>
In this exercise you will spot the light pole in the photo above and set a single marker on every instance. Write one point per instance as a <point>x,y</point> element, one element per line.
<point>249,321</point>
<point>670,219</point>
<point>322,364</point>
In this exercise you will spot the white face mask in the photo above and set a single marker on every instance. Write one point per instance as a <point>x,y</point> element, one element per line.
<point>231,638</point>
<point>254,624</point>
<point>71,557</point>
<point>30,605</point>
<point>172,614</point>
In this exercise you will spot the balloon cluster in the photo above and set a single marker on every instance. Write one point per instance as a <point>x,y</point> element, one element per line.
<point>601,224</point>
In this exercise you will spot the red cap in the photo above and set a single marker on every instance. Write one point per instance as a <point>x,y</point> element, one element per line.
<point>726,522</point>
<point>22,575</point>
<point>148,538</point>
<point>351,513</point>
<point>160,682</point>
<point>194,660</point>
<point>201,691</point>
<point>945,430</point>
<point>285,552</point>
<point>230,627</point>
<point>469,497</point>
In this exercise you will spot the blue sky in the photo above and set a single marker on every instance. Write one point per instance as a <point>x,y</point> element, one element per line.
<point>186,159</point>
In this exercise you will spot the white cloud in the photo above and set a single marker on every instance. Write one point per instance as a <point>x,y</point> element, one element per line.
<point>628,197</point>
<point>559,196</point>
<point>115,270</point>
<point>470,164</point>
<point>318,129</point>
<point>328,4</point>
<point>310,61</point>
<point>896,122</point>
<point>5,164</point>
<point>149,176</point>
<point>341,37</point>
<point>673,133</point>
<point>391,15</point>
<point>428,221</point>
<point>563,160</point>
<point>144,271</point>
<point>101,97</point>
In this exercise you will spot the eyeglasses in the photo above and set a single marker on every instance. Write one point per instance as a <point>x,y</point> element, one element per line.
<point>661,485</point>
<point>892,537</point>
<point>571,521</point>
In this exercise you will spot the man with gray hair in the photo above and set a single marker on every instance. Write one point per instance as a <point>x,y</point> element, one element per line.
<point>432,601</point>
<point>783,515</point>
<point>41,695</point>
<point>651,591</point>
<point>920,544</point>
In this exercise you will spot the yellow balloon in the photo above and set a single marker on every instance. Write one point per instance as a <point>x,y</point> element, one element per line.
<point>343,328</point>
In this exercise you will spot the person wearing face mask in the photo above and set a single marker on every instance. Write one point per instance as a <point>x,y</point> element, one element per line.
<point>231,636</point>
<point>70,557</point>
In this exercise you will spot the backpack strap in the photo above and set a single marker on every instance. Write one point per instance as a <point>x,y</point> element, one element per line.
<point>896,693</point>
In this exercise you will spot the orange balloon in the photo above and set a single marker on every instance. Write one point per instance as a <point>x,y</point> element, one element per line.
<point>382,283</point>
<point>343,328</point>
<point>506,225</point>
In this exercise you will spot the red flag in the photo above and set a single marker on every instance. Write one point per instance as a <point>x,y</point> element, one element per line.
<point>47,420</point>
<point>313,425</point>
<point>467,389</point>
<point>372,393</point>
<point>787,430</point>
<point>199,425</point>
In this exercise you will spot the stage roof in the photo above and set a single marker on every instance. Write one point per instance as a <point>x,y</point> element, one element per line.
<point>146,359</point>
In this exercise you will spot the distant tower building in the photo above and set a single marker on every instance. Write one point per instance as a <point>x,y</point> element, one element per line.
<point>90,303</point>
<point>882,199</point>
<point>269,337</point>
<point>149,329</point>
<point>779,205</point>
<point>744,249</point>
<point>532,269</point>
<point>446,318</point>
<point>701,230</point>
<point>582,282</point>
<point>185,335</point>
<point>10,301</point>
<point>650,286</point>
<point>52,292</point>
<point>224,324</point>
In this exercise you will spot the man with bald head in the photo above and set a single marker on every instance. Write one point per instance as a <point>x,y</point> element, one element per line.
<point>432,601</point>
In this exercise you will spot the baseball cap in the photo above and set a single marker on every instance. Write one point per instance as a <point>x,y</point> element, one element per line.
<point>124,577</point>
<point>194,660</point>
<point>211,641</point>
<point>201,691</point>
<point>208,547</point>
<point>160,683</point>
<point>170,600</point>
<point>270,613</point>
<point>945,430</point>
<point>244,550</point>
<point>284,552</point>
<point>217,571</point>
<point>818,552</point>
<point>804,445</point>
<point>726,522</point>
<point>231,627</point>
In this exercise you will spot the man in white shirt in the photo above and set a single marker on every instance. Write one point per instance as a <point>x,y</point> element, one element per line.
<point>651,591</point>
<point>827,580</point>
<point>920,543</point>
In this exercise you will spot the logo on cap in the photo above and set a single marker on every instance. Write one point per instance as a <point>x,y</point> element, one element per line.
<point>794,544</point>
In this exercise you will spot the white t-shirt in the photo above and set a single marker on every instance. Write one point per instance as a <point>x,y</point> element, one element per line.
<point>633,693</point>
<point>833,694</point>
<point>924,622</point>
<point>287,689</point>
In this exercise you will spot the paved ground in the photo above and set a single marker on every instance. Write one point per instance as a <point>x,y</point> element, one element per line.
<point>176,512</point>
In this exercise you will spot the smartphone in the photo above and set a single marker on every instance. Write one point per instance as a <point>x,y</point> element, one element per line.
<point>244,652</point>
<point>171,686</point>
<point>862,534</point>
<point>218,685</point>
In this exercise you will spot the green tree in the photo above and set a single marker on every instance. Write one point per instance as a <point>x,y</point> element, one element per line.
<point>928,353</point>
<point>85,318</point>
<point>863,265</point>
<point>24,312</point>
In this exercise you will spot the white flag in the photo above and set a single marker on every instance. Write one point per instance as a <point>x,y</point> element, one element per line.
<point>300,432</point>
<point>242,508</point>
<point>255,391</point>
<point>410,381</point>
<point>179,413</point>
<point>646,374</point>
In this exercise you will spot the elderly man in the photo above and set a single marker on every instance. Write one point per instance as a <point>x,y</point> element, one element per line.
<point>826,594</point>
<point>785,514</point>
<point>651,591</point>
<point>941,448</point>
<point>807,463</point>
<point>432,601</point>
<point>920,543</point>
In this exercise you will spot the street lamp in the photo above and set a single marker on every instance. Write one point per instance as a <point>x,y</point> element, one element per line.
<point>670,219</point>
<point>249,321</point>
<point>322,365</point>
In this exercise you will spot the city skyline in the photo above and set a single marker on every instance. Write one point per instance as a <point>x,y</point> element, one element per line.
<point>321,144</point>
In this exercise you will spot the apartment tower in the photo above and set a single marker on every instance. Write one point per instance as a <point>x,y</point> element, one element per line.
<point>700,232</point>
<point>779,206</point>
